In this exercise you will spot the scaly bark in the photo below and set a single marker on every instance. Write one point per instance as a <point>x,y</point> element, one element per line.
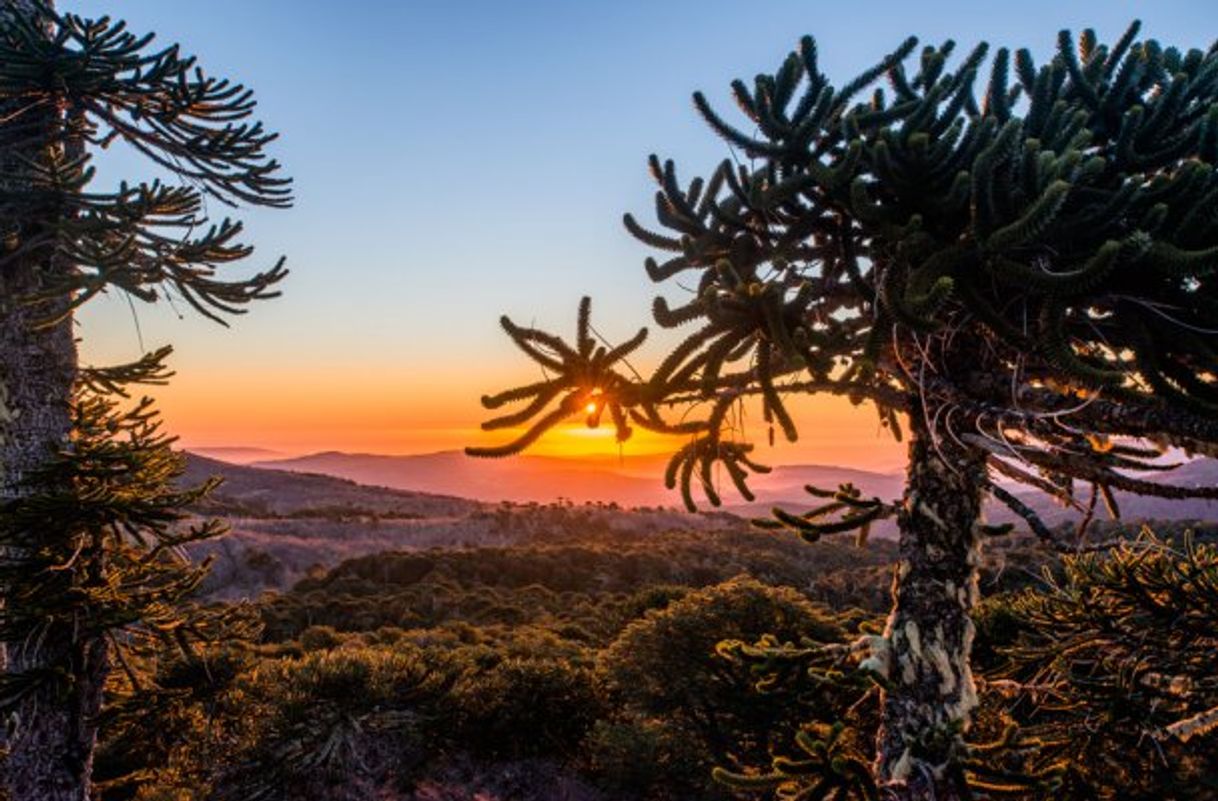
<point>38,368</point>
<point>930,632</point>
<point>52,731</point>
<point>50,754</point>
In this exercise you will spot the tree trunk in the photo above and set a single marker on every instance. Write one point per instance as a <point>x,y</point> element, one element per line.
<point>50,751</point>
<point>38,370</point>
<point>51,732</point>
<point>930,632</point>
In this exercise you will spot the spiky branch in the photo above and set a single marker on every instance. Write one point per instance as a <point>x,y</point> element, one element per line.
<point>1029,278</point>
<point>149,240</point>
<point>1037,269</point>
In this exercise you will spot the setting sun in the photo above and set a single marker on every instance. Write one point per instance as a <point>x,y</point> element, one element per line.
<point>850,432</point>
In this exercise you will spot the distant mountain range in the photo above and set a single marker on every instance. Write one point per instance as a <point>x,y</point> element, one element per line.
<point>285,524</point>
<point>237,454</point>
<point>293,514</point>
<point>629,481</point>
<point>638,481</point>
<point>262,491</point>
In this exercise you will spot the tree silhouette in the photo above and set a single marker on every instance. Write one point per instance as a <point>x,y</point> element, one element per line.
<point>88,515</point>
<point>1025,278</point>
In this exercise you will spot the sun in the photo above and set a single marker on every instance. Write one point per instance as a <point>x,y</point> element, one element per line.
<point>594,398</point>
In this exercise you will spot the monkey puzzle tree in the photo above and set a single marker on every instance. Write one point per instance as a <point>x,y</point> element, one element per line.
<point>1110,668</point>
<point>1026,278</point>
<point>87,521</point>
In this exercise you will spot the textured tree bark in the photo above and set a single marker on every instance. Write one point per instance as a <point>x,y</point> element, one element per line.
<point>930,632</point>
<point>50,753</point>
<point>38,369</point>
<point>52,732</point>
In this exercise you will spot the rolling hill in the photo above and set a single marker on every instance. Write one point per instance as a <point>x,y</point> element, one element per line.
<point>637,481</point>
<point>261,492</point>
<point>629,481</point>
<point>291,517</point>
<point>286,525</point>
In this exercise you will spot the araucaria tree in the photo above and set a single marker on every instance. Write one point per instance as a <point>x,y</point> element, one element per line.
<point>1017,260</point>
<point>90,565</point>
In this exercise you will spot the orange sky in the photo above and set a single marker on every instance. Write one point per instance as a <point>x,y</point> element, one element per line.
<point>275,382</point>
<point>347,410</point>
<point>470,193</point>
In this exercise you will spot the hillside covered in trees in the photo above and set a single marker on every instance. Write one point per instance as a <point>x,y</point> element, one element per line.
<point>1009,256</point>
<point>584,662</point>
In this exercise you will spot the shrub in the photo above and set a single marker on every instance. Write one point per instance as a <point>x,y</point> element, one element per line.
<point>665,666</point>
<point>525,708</point>
<point>355,717</point>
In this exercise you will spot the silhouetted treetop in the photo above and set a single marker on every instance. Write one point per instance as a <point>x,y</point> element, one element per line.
<point>1021,256</point>
<point>1018,258</point>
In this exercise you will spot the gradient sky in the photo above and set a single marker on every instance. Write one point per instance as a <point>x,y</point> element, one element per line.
<point>458,160</point>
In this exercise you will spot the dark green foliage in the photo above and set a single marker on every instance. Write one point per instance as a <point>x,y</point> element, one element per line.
<point>146,239</point>
<point>1041,255</point>
<point>828,754</point>
<point>645,758</point>
<point>578,584</point>
<point>665,665</point>
<point>175,706</point>
<point>1110,669</point>
<point>93,552</point>
<point>333,717</point>
<point>525,707</point>
<point>831,764</point>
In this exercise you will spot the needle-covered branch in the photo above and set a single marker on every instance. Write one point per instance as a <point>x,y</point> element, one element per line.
<point>845,510</point>
<point>95,549</point>
<point>587,379</point>
<point>1050,239</point>
<point>148,240</point>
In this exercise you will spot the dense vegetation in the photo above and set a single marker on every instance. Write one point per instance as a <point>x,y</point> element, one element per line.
<point>402,666</point>
<point>998,272</point>
<point>1013,261</point>
<point>597,665</point>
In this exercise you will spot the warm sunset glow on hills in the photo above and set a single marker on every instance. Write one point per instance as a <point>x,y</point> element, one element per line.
<point>371,415</point>
<point>608,401</point>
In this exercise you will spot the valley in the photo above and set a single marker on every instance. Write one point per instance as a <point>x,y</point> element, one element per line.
<point>293,518</point>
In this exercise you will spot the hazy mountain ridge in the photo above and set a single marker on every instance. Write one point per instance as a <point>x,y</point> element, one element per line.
<point>279,492</point>
<point>285,525</point>
<point>629,481</point>
<point>237,454</point>
<point>289,522</point>
<point>638,481</point>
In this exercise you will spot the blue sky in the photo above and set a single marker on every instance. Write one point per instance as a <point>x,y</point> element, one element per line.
<point>457,160</point>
